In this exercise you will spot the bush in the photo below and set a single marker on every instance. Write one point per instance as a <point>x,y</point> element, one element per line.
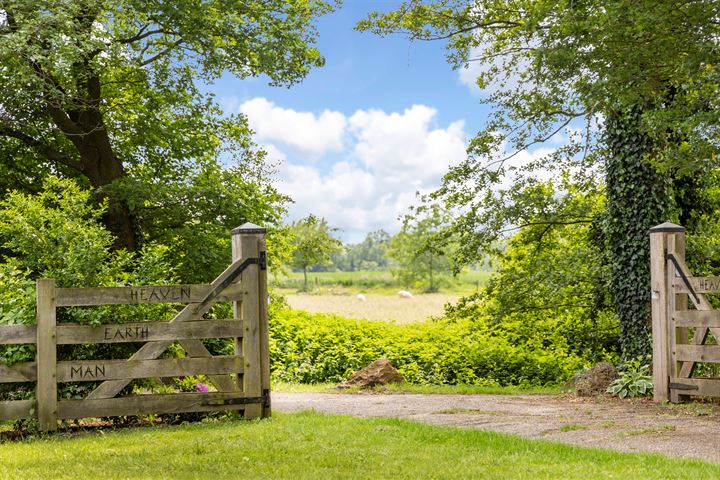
<point>314,348</point>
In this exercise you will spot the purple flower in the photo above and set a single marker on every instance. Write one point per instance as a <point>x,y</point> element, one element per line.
<point>201,387</point>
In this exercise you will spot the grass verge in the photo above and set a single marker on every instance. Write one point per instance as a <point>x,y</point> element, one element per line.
<point>419,389</point>
<point>310,445</point>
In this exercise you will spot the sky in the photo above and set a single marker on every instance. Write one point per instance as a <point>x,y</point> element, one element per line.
<point>356,140</point>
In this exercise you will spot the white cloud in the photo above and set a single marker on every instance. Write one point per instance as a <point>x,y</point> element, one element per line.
<point>309,134</point>
<point>377,161</point>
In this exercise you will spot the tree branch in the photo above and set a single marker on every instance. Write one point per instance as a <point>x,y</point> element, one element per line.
<point>49,152</point>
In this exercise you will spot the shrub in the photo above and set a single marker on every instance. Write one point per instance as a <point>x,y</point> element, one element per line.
<point>314,348</point>
<point>634,381</point>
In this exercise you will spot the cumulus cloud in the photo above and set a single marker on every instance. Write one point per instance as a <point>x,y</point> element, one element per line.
<point>376,160</point>
<point>309,134</point>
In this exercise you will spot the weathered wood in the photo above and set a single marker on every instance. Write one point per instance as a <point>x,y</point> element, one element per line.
<point>46,357</point>
<point>671,332</point>
<point>194,348</point>
<point>263,299</point>
<point>94,370</point>
<point>17,334</point>
<point>76,297</point>
<point>697,318</point>
<point>19,372</point>
<point>705,387</point>
<point>245,245</point>
<point>16,409</point>
<point>700,285</point>
<point>701,303</point>
<point>659,289</point>
<point>147,404</point>
<point>698,353</point>
<point>69,334</point>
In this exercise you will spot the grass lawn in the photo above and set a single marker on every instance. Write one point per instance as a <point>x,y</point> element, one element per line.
<point>312,446</point>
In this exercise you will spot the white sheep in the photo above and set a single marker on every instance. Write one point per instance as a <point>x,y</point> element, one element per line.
<point>404,294</point>
<point>360,297</point>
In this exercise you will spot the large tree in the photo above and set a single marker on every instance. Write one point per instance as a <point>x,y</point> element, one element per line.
<point>104,90</point>
<point>632,86</point>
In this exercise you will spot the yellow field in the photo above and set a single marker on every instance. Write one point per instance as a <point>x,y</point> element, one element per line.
<point>387,308</point>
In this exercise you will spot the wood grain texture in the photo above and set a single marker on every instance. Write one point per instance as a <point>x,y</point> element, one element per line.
<point>147,332</point>
<point>19,372</point>
<point>76,297</point>
<point>94,370</point>
<point>659,292</point>
<point>148,404</point>
<point>46,357</point>
<point>17,334</point>
<point>16,409</point>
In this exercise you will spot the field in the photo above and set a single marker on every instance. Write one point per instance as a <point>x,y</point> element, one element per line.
<point>375,307</point>
<point>311,445</point>
<point>383,282</point>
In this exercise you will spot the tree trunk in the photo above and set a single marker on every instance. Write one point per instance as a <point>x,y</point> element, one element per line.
<point>638,198</point>
<point>305,278</point>
<point>86,129</point>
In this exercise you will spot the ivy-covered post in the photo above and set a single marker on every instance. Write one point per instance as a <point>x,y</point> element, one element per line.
<point>663,238</point>
<point>638,197</point>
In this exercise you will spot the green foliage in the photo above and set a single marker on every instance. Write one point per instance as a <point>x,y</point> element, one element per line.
<point>421,250</point>
<point>635,380</point>
<point>104,91</point>
<point>325,348</point>
<point>629,86</point>
<point>368,255</point>
<point>56,234</point>
<point>313,244</point>
<point>638,198</point>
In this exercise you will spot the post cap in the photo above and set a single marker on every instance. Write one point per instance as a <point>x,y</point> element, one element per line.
<point>667,227</point>
<point>247,229</point>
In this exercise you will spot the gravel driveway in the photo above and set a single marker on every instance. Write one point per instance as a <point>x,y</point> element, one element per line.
<point>690,430</point>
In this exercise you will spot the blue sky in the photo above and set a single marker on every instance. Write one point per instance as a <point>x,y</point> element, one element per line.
<point>356,139</point>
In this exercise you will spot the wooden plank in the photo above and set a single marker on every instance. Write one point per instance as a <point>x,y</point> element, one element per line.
<point>245,245</point>
<point>17,334</point>
<point>705,387</point>
<point>94,370</point>
<point>701,303</point>
<point>697,318</point>
<point>194,348</point>
<point>700,285</point>
<point>263,299</point>
<point>19,372</point>
<point>46,355</point>
<point>16,409</point>
<point>671,332</point>
<point>697,353</point>
<point>78,297</point>
<point>147,404</point>
<point>147,332</point>
<point>659,292</point>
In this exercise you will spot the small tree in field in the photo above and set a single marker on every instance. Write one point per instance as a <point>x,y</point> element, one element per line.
<point>423,253</point>
<point>314,244</point>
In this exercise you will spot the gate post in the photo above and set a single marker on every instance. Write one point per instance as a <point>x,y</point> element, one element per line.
<point>46,356</point>
<point>248,241</point>
<point>662,302</point>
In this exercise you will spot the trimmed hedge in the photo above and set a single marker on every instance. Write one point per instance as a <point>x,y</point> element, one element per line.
<point>314,348</point>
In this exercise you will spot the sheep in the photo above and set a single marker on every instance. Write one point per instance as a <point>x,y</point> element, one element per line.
<point>404,294</point>
<point>360,297</point>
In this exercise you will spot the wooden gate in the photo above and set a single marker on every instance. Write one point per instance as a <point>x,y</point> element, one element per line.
<point>685,327</point>
<point>241,381</point>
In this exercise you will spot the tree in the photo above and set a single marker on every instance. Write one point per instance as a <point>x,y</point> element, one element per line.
<point>633,85</point>
<point>421,249</point>
<point>366,255</point>
<point>313,244</point>
<point>105,91</point>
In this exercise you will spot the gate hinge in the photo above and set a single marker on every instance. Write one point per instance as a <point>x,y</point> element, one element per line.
<point>683,386</point>
<point>262,261</point>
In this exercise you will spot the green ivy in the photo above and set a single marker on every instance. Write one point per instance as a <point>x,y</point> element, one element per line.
<point>638,198</point>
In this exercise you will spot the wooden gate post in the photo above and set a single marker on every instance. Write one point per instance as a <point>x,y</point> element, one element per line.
<point>663,304</point>
<point>248,242</point>
<point>46,357</point>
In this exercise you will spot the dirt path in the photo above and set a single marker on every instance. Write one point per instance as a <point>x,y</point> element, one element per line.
<point>691,430</point>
